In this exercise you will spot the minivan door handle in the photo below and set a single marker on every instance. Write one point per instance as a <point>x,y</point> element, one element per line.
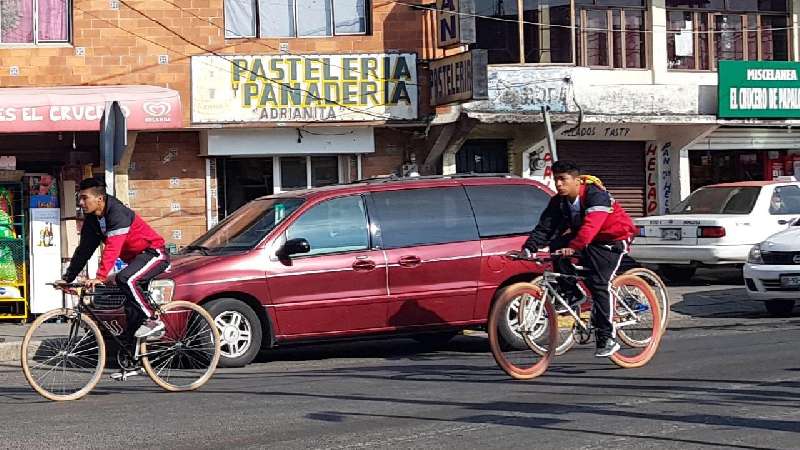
<point>410,261</point>
<point>364,265</point>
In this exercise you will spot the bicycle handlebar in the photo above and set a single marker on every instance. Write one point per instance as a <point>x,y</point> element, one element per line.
<point>73,285</point>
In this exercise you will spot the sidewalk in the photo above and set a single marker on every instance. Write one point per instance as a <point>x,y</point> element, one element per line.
<point>11,335</point>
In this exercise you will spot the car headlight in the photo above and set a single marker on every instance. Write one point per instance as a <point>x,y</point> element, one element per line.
<point>755,255</point>
<point>161,291</point>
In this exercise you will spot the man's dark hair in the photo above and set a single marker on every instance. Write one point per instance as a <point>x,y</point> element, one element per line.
<point>569,167</point>
<point>98,187</point>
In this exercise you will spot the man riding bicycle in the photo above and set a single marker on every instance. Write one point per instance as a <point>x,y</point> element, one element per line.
<point>128,237</point>
<point>585,218</point>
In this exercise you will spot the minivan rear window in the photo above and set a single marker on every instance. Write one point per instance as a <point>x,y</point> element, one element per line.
<point>248,226</point>
<point>424,216</point>
<point>506,210</point>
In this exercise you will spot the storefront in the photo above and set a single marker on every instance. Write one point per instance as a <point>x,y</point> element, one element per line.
<point>277,123</point>
<point>744,153</point>
<point>50,141</point>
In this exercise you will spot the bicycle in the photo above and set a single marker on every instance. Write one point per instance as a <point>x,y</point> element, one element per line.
<point>69,366</point>
<point>635,316</point>
<point>565,336</point>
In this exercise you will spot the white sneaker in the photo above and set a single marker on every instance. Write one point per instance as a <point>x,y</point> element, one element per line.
<point>123,374</point>
<point>150,329</point>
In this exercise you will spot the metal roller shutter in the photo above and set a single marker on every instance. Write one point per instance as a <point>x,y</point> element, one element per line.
<point>619,164</point>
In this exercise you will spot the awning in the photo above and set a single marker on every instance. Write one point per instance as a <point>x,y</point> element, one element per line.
<point>79,108</point>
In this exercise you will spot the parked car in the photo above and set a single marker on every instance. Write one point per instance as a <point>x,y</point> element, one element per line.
<point>772,272</point>
<point>716,225</point>
<point>421,256</point>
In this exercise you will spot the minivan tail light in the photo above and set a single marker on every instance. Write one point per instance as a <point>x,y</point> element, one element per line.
<point>711,232</point>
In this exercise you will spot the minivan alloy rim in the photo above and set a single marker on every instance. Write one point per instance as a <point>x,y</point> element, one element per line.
<point>235,333</point>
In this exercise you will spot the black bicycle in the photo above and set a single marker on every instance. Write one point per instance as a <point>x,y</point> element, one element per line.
<point>64,351</point>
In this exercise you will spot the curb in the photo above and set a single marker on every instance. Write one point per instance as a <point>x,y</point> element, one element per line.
<point>9,351</point>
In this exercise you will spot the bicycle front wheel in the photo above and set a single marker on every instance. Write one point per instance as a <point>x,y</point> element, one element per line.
<point>63,355</point>
<point>637,321</point>
<point>566,329</point>
<point>186,356</point>
<point>519,319</point>
<point>659,288</point>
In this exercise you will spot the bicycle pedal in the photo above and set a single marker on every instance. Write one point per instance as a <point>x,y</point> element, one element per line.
<point>124,375</point>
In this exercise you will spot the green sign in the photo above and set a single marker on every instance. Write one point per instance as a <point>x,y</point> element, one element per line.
<point>759,89</point>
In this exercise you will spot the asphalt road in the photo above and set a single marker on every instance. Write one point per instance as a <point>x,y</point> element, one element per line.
<point>724,379</point>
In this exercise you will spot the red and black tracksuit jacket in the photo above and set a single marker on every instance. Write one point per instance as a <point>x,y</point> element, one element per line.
<point>602,221</point>
<point>124,234</point>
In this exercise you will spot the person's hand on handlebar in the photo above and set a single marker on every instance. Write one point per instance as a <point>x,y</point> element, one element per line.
<point>92,282</point>
<point>63,286</point>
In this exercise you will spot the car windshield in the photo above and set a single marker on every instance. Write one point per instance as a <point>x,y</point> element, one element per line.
<point>719,200</point>
<point>248,226</point>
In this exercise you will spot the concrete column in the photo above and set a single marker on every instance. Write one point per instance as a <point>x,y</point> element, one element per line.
<point>658,41</point>
<point>121,185</point>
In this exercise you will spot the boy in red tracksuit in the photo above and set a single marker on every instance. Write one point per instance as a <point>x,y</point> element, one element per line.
<point>128,237</point>
<point>584,217</point>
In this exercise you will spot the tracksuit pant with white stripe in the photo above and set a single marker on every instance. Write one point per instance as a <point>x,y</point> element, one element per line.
<point>603,260</point>
<point>132,281</point>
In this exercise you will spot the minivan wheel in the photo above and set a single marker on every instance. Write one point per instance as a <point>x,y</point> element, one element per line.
<point>508,327</point>
<point>780,308</point>
<point>239,331</point>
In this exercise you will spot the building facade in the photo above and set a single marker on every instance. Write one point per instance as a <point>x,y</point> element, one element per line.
<point>632,91</point>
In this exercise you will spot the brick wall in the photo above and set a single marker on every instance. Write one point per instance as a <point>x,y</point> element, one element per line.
<point>157,159</point>
<point>392,148</point>
<point>123,47</point>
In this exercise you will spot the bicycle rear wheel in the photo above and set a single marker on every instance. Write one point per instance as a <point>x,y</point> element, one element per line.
<point>533,320</point>
<point>637,321</point>
<point>65,360</point>
<point>186,356</point>
<point>659,288</point>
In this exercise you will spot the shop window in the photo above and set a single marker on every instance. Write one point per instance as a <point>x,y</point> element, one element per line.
<point>785,200</point>
<point>34,21</point>
<point>293,173</point>
<point>334,226</point>
<point>280,18</point>
<point>547,35</point>
<point>612,36</point>
<point>726,30</point>
<point>324,170</point>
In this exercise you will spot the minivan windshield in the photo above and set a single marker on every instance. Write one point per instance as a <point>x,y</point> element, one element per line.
<point>719,200</point>
<point>246,227</point>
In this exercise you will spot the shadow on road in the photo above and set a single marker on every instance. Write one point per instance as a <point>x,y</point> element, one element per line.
<point>724,303</point>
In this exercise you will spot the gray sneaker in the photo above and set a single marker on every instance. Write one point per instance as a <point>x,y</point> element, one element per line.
<point>605,350</point>
<point>150,329</point>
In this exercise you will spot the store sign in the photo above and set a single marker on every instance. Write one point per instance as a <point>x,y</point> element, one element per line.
<point>608,132</point>
<point>759,89</point>
<point>456,22</point>
<point>81,108</point>
<point>527,89</point>
<point>651,166</point>
<point>459,78</point>
<point>304,88</point>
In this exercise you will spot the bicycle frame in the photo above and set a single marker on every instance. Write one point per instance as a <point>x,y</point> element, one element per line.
<point>83,308</point>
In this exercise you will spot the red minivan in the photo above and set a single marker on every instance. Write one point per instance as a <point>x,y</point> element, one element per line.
<point>419,256</point>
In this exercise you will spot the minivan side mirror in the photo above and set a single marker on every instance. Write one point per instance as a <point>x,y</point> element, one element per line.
<point>294,247</point>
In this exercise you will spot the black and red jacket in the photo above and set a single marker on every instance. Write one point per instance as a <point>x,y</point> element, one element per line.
<point>603,220</point>
<point>123,232</point>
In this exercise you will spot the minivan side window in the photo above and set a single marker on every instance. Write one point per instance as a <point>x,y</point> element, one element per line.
<point>506,210</point>
<point>333,226</point>
<point>424,216</point>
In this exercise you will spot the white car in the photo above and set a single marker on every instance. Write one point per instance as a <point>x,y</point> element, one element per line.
<point>716,225</point>
<point>772,272</point>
